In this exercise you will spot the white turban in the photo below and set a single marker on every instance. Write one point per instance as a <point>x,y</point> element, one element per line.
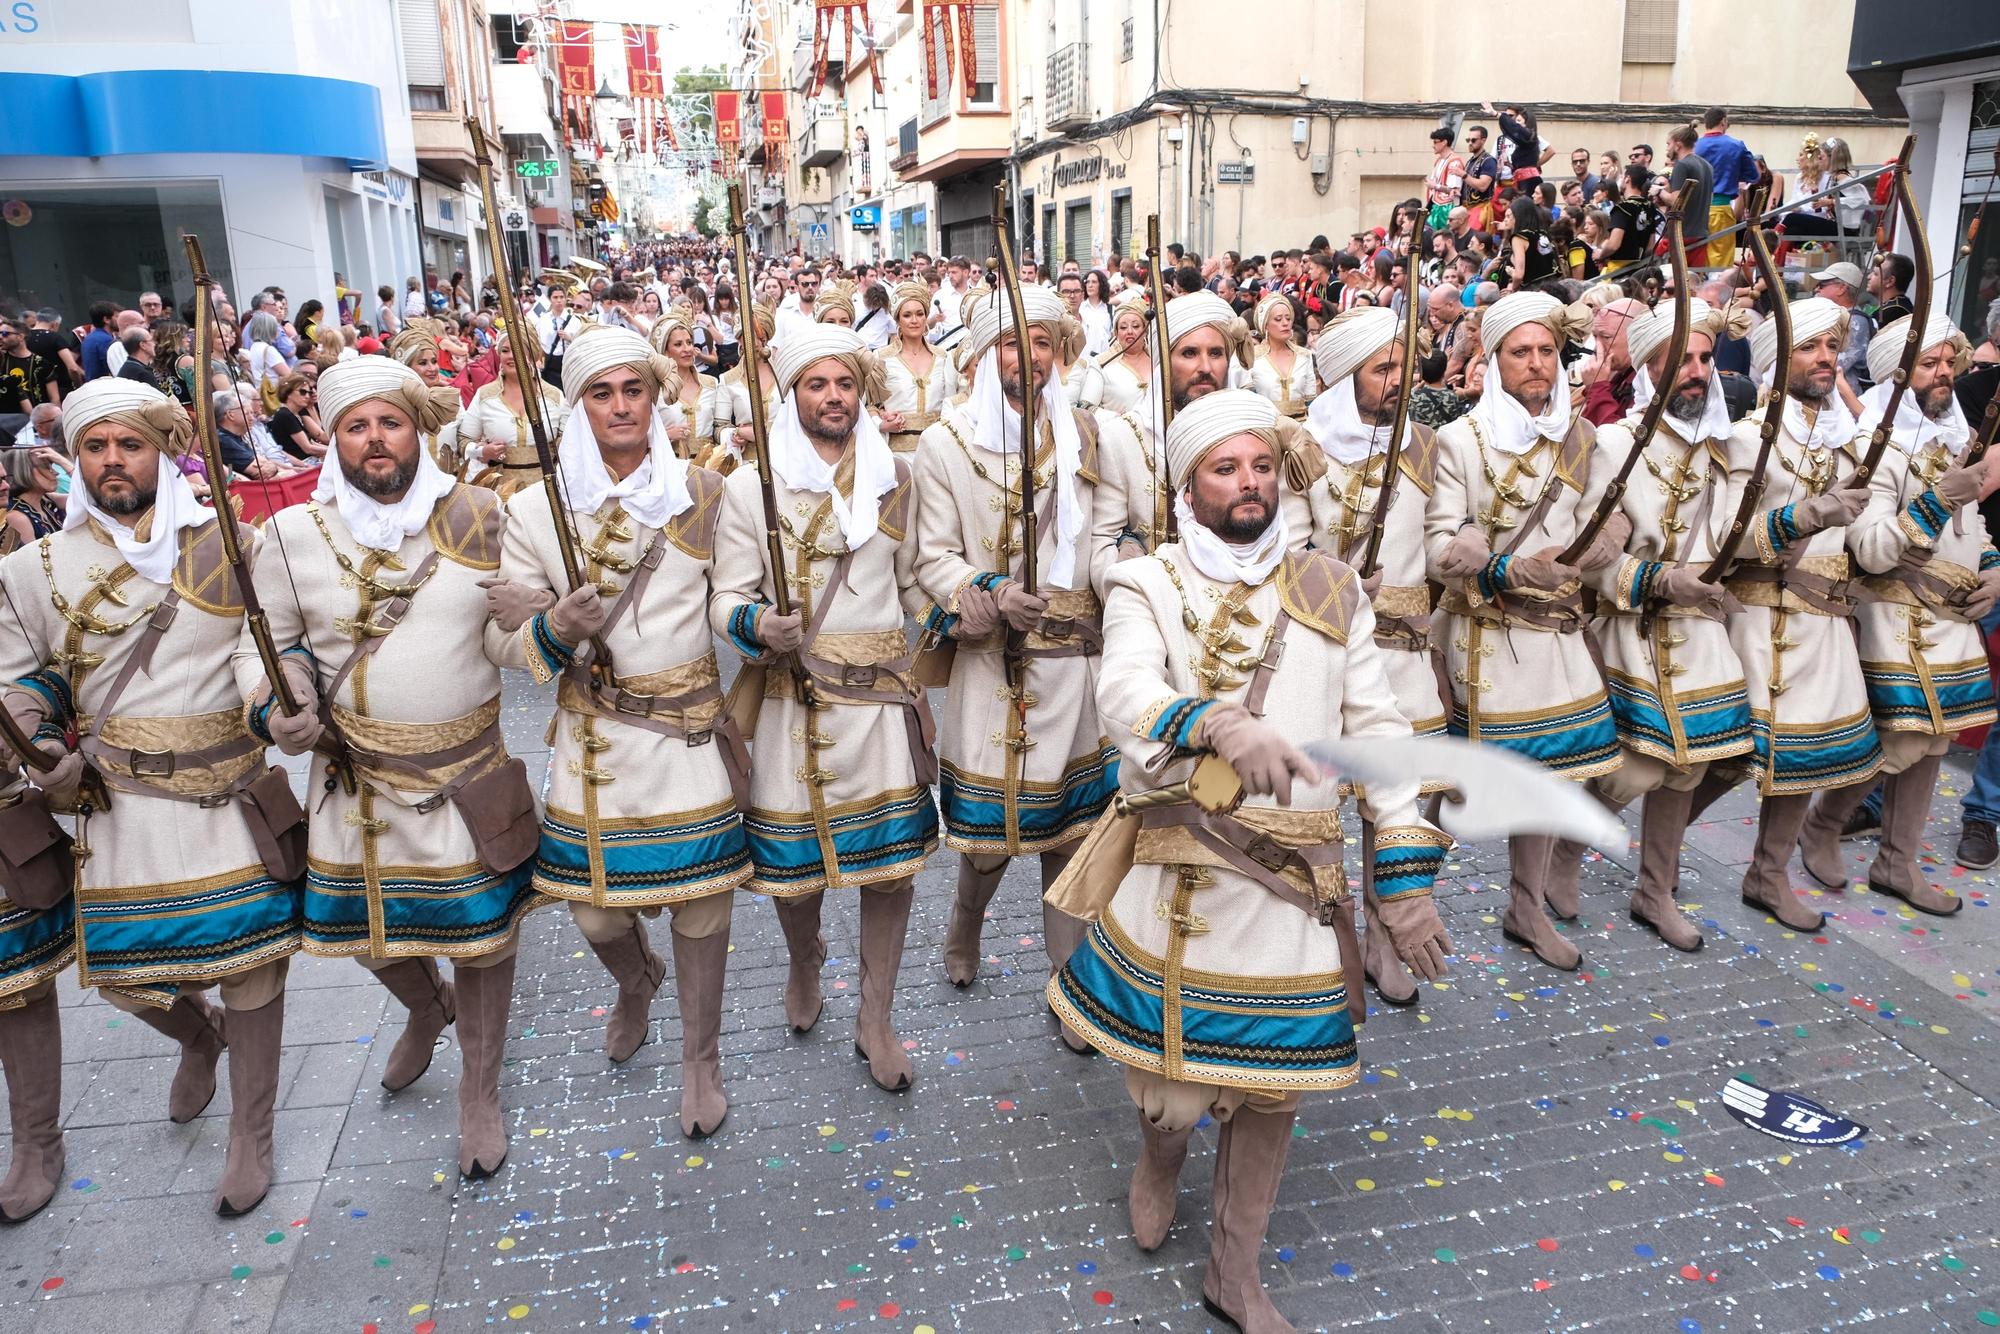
<point>1504,420</point>
<point>1651,331</point>
<point>1510,312</point>
<point>1187,313</point>
<point>1885,349</point>
<point>165,423</point>
<point>1199,428</point>
<point>992,315</point>
<point>793,456</point>
<point>603,347</point>
<point>1811,317</point>
<point>1351,339</point>
<point>347,384</point>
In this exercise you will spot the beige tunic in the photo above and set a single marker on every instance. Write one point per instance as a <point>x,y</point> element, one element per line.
<point>698,398</point>
<point>1531,689</point>
<point>1195,970</point>
<point>391,873</point>
<point>1010,785</point>
<point>172,890</point>
<point>634,817</point>
<point>1292,393</point>
<point>1108,384</point>
<point>836,798</point>
<point>918,398</point>
<point>732,409</point>
<point>1675,682</point>
<point>488,420</point>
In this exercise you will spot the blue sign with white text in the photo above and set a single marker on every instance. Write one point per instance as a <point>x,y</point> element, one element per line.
<point>865,217</point>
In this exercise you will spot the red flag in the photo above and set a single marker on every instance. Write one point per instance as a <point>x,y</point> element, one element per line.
<point>728,114</point>
<point>576,69</point>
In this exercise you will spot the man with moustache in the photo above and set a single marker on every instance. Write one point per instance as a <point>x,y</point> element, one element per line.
<point>378,604</point>
<point>642,795</point>
<point>120,630</point>
<point>1222,973</point>
<point>1932,573</point>
<point>1025,775</point>
<point>840,791</point>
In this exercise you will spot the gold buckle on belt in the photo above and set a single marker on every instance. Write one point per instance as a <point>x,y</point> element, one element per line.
<point>1268,853</point>
<point>153,764</point>
<point>860,675</point>
<point>627,702</point>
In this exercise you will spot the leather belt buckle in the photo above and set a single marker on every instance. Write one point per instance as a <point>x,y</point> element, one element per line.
<point>153,764</point>
<point>700,737</point>
<point>1268,853</point>
<point>213,801</point>
<point>627,702</point>
<point>1062,628</point>
<point>429,804</point>
<point>861,676</point>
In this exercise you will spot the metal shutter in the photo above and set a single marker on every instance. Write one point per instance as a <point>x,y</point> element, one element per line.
<point>1076,235</point>
<point>986,47</point>
<point>1651,28</point>
<point>1121,227</point>
<point>423,43</point>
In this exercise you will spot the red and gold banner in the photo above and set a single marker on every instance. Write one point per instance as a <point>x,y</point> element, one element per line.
<point>728,118</point>
<point>826,13</point>
<point>775,131</point>
<point>576,70</point>
<point>939,19</point>
<point>642,64</point>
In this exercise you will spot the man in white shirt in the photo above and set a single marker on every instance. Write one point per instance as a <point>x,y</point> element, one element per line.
<point>795,312</point>
<point>946,325</point>
<point>556,329</point>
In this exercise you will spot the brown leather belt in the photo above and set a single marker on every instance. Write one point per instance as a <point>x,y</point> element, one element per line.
<point>1827,597</point>
<point>650,713</point>
<point>425,763</point>
<point>855,683</point>
<point>163,764</point>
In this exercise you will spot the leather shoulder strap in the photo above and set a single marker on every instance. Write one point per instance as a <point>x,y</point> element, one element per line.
<point>1320,592</point>
<point>465,527</point>
<point>387,619</point>
<point>693,529</point>
<point>141,658</point>
<point>894,515</point>
<point>203,577</point>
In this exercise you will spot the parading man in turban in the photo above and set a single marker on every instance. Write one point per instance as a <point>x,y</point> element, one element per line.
<point>121,626</point>
<point>1515,484</point>
<point>1359,359</point>
<point>1676,683</point>
<point>1808,702</point>
<point>1930,567</point>
<point>1027,775</point>
<point>643,783</point>
<point>377,603</point>
<point>840,791</point>
<point>1223,971</point>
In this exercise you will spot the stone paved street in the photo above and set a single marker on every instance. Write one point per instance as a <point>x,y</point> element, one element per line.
<point>1529,1150</point>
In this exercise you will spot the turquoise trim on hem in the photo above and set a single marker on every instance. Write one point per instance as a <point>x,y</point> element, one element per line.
<point>655,860</point>
<point>187,935</point>
<point>32,944</point>
<point>881,839</point>
<point>1799,761</point>
<point>1899,702</point>
<point>463,915</point>
<point>1584,738</point>
<point>975,811</point>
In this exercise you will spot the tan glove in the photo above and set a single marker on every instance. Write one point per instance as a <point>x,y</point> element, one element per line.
<point>299,733</point>
<point>1983,595</point>
<point>1960,486</point>
<point>1684,587</point>
<point>780,634</point>
<point>578,616</point>
<point>1022,609</point>
<point>60,782</point>
<point>1129,549</point>
<point>1835,509</point>
<point>1417,932</point>
<point>1466,554</point>
<point>1372,585</point>
<point>1608,545</point>
<point>978,613</point>
<point>511,605</point>
<point>1261,757</point>
<point>1541,570</point>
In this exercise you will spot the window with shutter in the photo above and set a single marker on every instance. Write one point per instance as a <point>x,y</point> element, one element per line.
<point>1076,235</point>
<point>986,44</point>
<point>423,43</point>
<point>1121,225</point>
<point>1651,27</point>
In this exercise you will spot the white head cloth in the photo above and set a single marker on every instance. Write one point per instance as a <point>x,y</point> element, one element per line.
<point>657,489</point>
<point>997,429</point>
<point>1833,426</point>
<point>1342,348</point>
<point>798,463</point>
<point>344,386</point>
<point>1196,309</point>
<point>991,315</point>
<point>164,422</point>
<point>1913,428</point>
<point>1507,425</point>
<point>1885,349</point>
<point>1198,428</point>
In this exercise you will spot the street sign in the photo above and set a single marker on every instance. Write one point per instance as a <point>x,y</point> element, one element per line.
<point>1235,173</point>
<point>817,231</point>
<point>532,167</point>
<point>865,217</point>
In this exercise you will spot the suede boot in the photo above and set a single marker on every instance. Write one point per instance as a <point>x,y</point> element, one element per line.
<point>1768,882</point>
<point>256,1039</point>
<point>638,970</point>
<point>1662,822</point>
<point>976,889</point>
<point>198,1027</point>
<point>1524,923</point>
<point>1156,1182</point>
<point>1906,802</point>
<point>484,995</point>
<point>428,997</point>
<point>1249,1159</point>
<point>698,973</point>
<point>885,923</point>
<point>31,1054</point>
<point>1384,971</point>
<point>799,919</point>
<point>1819,837</point>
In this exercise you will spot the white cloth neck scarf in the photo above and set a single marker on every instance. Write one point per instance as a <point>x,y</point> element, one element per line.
<point>1226,562</point>
<point>1336,423</point>
<point>997,430</point>
<point>801,468</point>
<point>174,508</point>
<point>1913,429</point>
<point>1506,423</point>
<point>652,493</point>
<point>1832,428</point>
<point>1714,423</point>
<point>373,523</point>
